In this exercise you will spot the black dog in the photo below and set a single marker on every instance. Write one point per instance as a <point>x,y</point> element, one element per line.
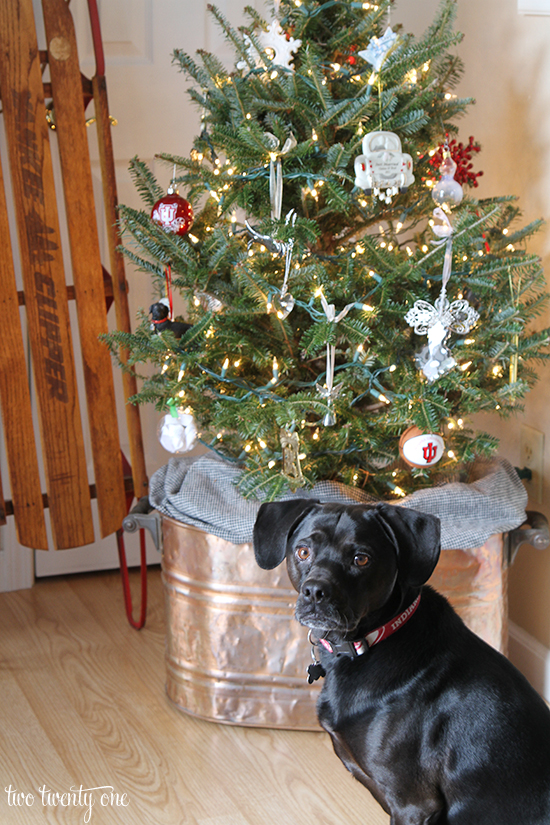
<point>440,727</point>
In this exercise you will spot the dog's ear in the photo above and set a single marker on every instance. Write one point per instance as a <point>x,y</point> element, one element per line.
<point>274,523</point>
<point>417,537</point>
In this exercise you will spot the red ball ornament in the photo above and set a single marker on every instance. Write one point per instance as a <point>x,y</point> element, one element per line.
<point>173,213</point>
<point>420,449</point>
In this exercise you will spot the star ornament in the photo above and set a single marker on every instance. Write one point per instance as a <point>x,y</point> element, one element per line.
<point>275,47</point>
<point>379,48</point>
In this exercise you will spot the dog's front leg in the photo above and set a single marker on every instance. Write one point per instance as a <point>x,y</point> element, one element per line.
<point>344,754</point>
<point>428,813</point>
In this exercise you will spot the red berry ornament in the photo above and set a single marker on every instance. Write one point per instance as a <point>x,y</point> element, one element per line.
<point>462,156</point>
<point>173,213</point>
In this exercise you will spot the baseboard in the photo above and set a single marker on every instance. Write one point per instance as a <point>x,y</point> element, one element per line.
<point>531,658</point>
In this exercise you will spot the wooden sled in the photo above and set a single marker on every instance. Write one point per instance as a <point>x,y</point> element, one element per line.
<point>40,309</point>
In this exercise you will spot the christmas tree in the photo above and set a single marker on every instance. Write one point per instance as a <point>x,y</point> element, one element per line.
<point>314,271</point>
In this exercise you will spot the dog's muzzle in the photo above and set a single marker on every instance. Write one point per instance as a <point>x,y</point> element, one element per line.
<point>316,607</point>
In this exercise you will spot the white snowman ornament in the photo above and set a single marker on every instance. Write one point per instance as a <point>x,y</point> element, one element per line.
<point>383,169</point>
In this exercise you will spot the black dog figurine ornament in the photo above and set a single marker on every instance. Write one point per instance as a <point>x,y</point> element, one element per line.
<point>438,725</point>
<point>159,313</point>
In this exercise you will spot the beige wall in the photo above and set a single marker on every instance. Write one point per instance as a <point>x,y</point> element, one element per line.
<point>507,71</point>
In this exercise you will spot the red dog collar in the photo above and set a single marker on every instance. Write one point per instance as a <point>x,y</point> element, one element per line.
<point>361,646</point>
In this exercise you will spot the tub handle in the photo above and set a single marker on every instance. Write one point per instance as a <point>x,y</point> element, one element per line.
<point>533,531</point>
<point>144,515</point>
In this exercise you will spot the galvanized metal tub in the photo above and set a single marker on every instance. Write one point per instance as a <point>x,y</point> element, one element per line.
<point>234,652</point>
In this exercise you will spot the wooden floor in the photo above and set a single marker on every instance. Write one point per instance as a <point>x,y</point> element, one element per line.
<point>82,705</point>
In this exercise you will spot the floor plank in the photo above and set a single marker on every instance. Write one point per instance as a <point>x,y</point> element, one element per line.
<point>84,707</point>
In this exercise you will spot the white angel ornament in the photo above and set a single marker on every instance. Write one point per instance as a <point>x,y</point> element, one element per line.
<point>437,322</point>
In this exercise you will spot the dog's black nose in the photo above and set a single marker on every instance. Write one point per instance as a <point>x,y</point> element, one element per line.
<point>316,590</point>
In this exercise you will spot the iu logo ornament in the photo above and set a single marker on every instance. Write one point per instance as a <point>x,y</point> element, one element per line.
<point>173,213</point>
<point>420,449</point>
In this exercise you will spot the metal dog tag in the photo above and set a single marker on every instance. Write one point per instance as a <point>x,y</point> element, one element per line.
<point>315,671</point>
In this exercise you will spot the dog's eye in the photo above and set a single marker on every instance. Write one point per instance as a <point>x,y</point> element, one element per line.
<point>361,559</point>
<point>303,552</point>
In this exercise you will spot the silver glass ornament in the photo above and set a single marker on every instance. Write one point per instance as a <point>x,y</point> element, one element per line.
<point>447,192</point>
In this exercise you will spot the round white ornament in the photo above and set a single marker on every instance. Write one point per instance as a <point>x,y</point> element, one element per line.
<point>178,435</point>
<point>421,449</point>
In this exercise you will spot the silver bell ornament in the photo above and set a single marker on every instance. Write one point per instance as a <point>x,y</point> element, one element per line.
<point>447,192</point>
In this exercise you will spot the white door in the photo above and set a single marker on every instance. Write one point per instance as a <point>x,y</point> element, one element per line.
<point>147,96</point>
